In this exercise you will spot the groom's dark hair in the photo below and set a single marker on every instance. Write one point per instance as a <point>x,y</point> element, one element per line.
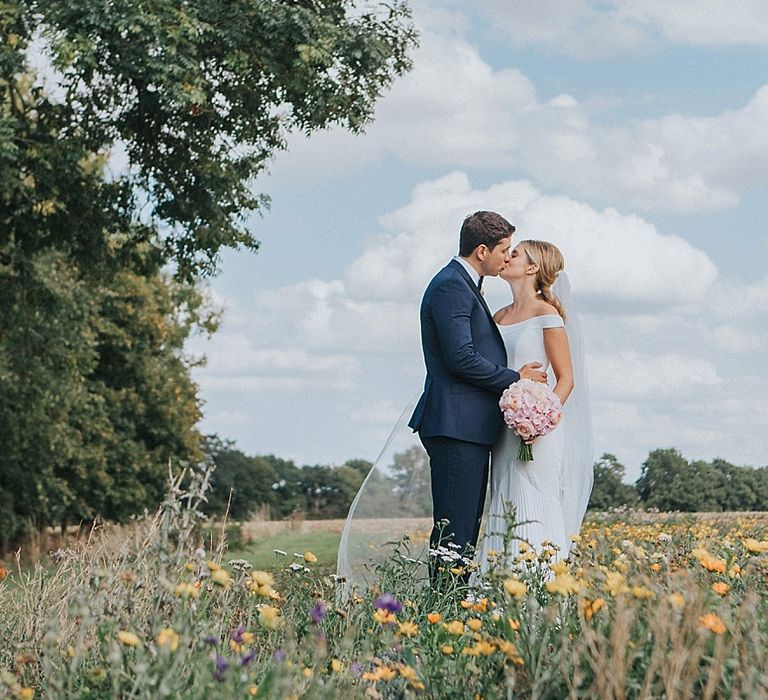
<point>483,228</point>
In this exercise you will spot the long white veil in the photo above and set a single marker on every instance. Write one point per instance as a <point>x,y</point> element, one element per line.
<point>394,501</point>
<point>577,470</point>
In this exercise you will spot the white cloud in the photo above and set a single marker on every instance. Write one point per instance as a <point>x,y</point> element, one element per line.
<point>590,29</point>
<point>673,360</point>
<point>657,376</point>
<point>455,111</point>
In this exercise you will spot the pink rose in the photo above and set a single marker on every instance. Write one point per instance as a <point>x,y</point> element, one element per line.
<point>525,429</point>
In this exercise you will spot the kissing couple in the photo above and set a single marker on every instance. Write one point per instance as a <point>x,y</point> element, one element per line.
<point>472,355</point>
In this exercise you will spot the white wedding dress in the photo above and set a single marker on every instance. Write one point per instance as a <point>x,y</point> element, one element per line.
<point>536,490</point>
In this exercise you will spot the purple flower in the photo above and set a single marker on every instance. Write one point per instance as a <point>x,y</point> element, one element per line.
<point>386,601</point>
<point>355,668</point>
<point>279,656</point>
<point>211,641</point>
<point>317,613</point>
<point>221,666</point>
<point>250,656</point>
<point>237,635</point>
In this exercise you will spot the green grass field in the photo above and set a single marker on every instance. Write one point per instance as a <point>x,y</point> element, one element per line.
<point>260,552</point>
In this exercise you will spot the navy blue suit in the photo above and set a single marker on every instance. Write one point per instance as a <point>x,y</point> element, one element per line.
<point>458,417</point>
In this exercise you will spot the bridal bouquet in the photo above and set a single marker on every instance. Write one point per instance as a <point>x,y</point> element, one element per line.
<point>530,409</point>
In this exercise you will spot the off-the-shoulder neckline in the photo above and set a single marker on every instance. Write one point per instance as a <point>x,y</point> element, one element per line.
<point>517,323</point>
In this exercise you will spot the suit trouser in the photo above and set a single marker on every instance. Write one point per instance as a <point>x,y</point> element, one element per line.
<point>459,472</point>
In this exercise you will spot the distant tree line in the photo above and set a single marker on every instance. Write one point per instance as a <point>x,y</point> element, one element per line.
<point>242,485</point>
<point>668,481</point>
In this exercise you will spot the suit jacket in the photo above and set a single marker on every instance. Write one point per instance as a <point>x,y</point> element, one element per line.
<point>466,362</point>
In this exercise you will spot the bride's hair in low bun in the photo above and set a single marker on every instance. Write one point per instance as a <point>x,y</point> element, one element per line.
<point>550,261</point>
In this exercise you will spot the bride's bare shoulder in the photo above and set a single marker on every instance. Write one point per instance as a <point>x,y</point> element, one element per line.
<point>544,308</point>
<point>501,313</point>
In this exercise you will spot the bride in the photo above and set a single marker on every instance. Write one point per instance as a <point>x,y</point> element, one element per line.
<point>549,495</point>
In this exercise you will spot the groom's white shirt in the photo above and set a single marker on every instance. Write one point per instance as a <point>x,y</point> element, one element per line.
<point>474,275</point>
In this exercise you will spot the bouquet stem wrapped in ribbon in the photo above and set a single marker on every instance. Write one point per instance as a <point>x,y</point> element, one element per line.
<point>530,409</point>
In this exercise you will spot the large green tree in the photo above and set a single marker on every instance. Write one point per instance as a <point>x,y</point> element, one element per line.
<point>137,155</point>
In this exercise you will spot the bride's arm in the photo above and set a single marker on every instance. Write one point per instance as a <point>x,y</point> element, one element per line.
<point>559,356</point>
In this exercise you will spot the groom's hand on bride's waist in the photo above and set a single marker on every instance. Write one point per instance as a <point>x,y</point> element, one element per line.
<point>531,371</point>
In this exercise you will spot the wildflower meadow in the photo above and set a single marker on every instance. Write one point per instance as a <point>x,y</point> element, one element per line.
<point>647,606</point>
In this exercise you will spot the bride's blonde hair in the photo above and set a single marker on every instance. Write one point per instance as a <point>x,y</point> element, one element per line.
<point>550,262</point>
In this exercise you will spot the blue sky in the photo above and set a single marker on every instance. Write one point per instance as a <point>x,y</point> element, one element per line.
<point>632,133</point>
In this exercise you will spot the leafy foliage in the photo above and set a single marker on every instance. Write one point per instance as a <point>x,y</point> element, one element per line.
<point>132,156</point>
<point>201,94</point>
<point>610,490</point>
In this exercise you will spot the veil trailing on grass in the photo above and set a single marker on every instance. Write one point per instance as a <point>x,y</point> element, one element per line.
<point>394,502</point>
<point>577,467</point>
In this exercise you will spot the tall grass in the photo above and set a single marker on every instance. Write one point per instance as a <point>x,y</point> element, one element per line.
<point>645,607</point>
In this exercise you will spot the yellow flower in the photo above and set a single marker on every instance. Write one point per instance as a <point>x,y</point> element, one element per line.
<point>309,557</point>
<point>382,673</point>
<point>514,625</point>
<point>384,617</point>
<point>27,693</point>
<point>269,616</point>
<point>262,578</point>
<point>434,617</point>
<point>642,592</point>
<point>308,673</point>
<point>515,588</point>
<point>709,562</point>
<point>475,624</point>
<point>615,583</point>
<point>713,623</point>
<point>656,567</point>
<point>575,538</point>
<point>409,674</point>
<point>677,600</point>
<point>128,639</point>
<point>221,578</point>
<point>212,566</point>
<point>336,666</point>
<point>260,583</point>
<point>408,629</point>
<point>590,607</point>
<point>456,627</point>
<point>253,690</point>
<point>565,584</point>
<point>559,567</point>
<point>457,570</point>
<point>167,638</point>
<point>721,588</point>
<point>479,648</point>
<point>755,546</point>
<point>446,649</point>
<point>186,590</point>
<point>716,565</point>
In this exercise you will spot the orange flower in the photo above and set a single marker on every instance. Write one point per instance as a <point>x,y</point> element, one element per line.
<point>434,617</point>
<point>713,623</point>
<point>721,588</point>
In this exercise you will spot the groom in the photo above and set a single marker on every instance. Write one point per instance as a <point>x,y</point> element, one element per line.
<point>458,417</point>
